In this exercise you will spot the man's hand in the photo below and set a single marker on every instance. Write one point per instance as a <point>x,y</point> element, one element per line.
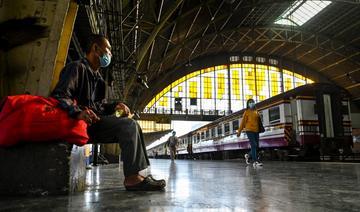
<point>88,116</point>
<point>238,133</point>
<point>125,109</point>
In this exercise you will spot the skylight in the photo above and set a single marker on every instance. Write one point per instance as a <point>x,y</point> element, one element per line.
<point>300,12</point>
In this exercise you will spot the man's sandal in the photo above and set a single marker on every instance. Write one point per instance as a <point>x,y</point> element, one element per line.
<point>161,182</point>
<point>146,185</point>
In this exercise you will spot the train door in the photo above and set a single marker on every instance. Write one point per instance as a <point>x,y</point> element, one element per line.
<point>331,123</point>
<point>294,115</point>
<point>328,117</point>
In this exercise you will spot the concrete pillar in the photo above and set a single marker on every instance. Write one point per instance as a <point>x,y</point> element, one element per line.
<point>29,68</point>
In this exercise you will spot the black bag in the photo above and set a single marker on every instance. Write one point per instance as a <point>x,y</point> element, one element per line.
<point>261,126</point>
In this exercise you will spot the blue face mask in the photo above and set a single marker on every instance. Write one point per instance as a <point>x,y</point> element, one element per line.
<point>252,105</point>
<point>105,60</point>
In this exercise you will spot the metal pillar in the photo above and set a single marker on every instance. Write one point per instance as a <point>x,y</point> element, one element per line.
<point>95,154</point>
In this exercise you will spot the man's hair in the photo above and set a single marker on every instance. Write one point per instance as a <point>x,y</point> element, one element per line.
<point>94,38</point>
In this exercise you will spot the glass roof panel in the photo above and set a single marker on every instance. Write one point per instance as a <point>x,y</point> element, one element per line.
<point>300,12</point>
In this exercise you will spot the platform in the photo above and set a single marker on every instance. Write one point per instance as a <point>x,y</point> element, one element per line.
<point>213,186</point>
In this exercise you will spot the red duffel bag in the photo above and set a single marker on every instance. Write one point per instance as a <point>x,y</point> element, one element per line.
<point>28,118</point>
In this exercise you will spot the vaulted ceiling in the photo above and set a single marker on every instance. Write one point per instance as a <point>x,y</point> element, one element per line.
<point>158,38</point>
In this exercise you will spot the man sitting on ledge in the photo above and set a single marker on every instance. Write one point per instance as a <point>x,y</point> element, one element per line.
<point>81,92</point>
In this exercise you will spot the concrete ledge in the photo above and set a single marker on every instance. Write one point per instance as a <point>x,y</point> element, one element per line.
<point>42,169</point>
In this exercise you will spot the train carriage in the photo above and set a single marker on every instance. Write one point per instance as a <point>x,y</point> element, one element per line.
<point>308,121</point>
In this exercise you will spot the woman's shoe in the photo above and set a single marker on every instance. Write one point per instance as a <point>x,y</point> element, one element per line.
<point>257,163</point>
<point>247,159</point>
<point>146,185</point>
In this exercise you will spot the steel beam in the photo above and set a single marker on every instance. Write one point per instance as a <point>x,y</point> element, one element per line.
<point>150,40</point>
<point>339,61</point>
<point>155,32</point>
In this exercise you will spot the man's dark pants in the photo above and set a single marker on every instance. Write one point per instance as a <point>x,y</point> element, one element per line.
<point>127,132</point>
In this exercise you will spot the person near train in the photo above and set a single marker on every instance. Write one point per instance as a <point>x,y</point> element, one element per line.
<point>172,143</point>
<point>250,123</point>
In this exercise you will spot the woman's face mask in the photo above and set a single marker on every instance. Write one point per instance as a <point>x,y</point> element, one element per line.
<point>252,105</point>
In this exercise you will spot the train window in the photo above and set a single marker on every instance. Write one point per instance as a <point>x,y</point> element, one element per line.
<point>235,125</point>
<point>345,110</point>
<point>207,133</point>
<point>219,130</point>
<point>198,136</point>
<point>227,128</point>
<point>202,135</point>
<point>213,132</point>
<point>274,114</point>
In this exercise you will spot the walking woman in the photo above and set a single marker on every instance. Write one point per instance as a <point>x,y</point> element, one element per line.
<point>250,123</point>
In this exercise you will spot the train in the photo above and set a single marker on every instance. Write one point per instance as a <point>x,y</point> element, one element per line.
<point>306,123</point>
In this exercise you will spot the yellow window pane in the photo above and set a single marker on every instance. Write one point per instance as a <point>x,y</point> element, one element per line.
<point>287,72</point>
<point>299,76</point>
<point>164,101</point>
<point>193,89</point>
<point>235,65</point>
<point>152,102</point>
<point>287,84</point>
<point>262,89</point>
<point>196,73</point>
<point>207,87</point>
<point>221,67</point>
<point>273,68</point>
<point>167,89</point>
<point>274,84</point>
<point>188,76</point>
<point>176,94</point>
<point>261,67</point>
<point>180,88</point>
<point>207,70</point>
<point>249,80</point>
<point>249,71</point>
<point>235,84</point>
<point>299,84</point>
<point>221,85</point>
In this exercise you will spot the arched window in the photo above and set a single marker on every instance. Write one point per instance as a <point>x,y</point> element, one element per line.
<point>224,88</point>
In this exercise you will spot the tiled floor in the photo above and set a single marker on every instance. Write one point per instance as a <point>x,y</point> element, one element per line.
<point>213,186</point>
